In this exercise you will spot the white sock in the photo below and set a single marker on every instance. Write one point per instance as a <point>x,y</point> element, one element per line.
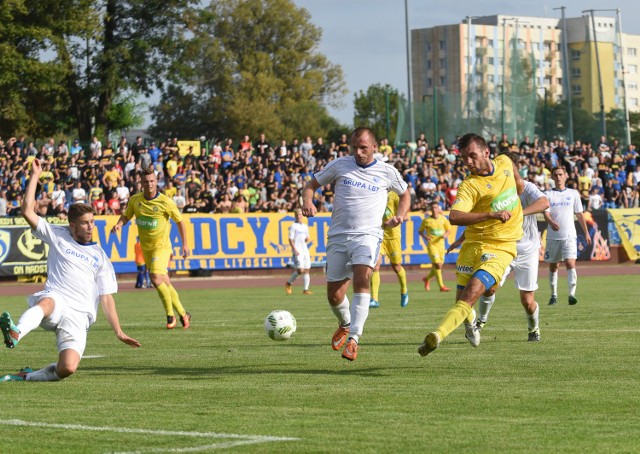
<point>553,283</point>
<point>532,319</point>
<point>47,373</point>
<point>484,307</point>
<point>572,280</point>
<point>306,279</point>
<point>359,314</point>
<point>30,320</point>
<point>293,277</point>
<point>341,311</point>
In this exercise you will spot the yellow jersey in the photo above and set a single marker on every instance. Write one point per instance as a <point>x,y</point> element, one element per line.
<point>491,193</point>
<point>434,229</point>
<point>393,200</point>
<point>152,218</point>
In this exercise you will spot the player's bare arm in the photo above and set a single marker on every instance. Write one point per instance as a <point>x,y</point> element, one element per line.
<point>403,208</point>
<point>28,206</point>
<point>457,243</point>
<point>121,223</point>
<point>518,178</point>
<point>182,231</point>
<point>457,217</point>
<point>539,206</point>
<point>583,224</point>
<point>554,225</point>
<point>109,308</point>
<point>308,208</point>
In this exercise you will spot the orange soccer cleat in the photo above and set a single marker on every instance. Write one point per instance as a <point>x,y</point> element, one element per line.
<point>185,320</point>
<point>339,337</point>
<point>445,289</point>
<point>427,286</point>
<point>171,322</point>
<point>287,288</point>
<point>350,352</point>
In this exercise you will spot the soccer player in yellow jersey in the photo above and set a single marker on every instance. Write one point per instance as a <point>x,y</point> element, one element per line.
<point>489,206</point>
<point>434,229</point>
<point>152,211</point>
<point>391,248</point>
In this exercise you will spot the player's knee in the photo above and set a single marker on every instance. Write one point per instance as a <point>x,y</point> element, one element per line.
<point>65,369</point>
<point>489,293</point>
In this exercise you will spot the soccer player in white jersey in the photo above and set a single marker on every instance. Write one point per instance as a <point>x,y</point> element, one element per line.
<point>298,239</point>
<point>561,233</point>
<point>79,276</point>
<point>361,184</point>
<point>524,266</point>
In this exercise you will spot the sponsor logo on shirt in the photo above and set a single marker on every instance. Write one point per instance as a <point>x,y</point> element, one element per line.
<point>360,184</point>
<point>93,261</point>
<point>146,223</point>
<point>506,200</point>
<point>464,269</point>
<point>487,257</point>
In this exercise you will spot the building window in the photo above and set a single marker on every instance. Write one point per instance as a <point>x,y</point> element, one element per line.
<point>428,64</point>
<point>442,80</point>
<point>490,78</point>
<point>576,89</point>
<point>559,80</point>
<point>576,73</point>
<point>632,69</point>
<point>632,85</point>
<point>632,51</point>
<point>490,43</point>
<point>575,55</point>
<point>547,81</point>
<point>429,47</point>
<point>429,82</point>
<point>633,102</point>
<point>442,46</point>
<point>443,63</point>
<point>490,60</point>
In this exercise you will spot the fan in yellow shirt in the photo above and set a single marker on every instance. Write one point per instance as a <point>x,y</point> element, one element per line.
<point>392,248</point>
<point>488,205</point>
<point>435,229</point>
<point>152,211</point>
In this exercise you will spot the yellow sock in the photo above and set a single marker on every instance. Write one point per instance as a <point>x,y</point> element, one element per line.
<point>165,297</point>
<point>439,278</point>
<point>431,273</point>
<point>453,318</point>
<point>402,278</point>
<point>175,301</point>
<point>375,284</point>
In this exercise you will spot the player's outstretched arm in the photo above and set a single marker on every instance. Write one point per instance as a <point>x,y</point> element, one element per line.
<point>109,309</point>
<point>403,208</point>
<point>28,206</point>
<point>539,206</point>
<point>121,222</point>
<point>457,217</point>
<point>308,208</point>
<point>456,243</point>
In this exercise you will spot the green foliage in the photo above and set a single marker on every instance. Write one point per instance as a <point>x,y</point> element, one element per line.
<point>251,66</point>
<point>373,107</point>
<point>575,391</point>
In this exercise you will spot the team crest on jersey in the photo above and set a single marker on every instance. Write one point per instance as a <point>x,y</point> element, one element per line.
<point>155,209</point>
<point>486,257</point>
<point>376,179</point>
<point>507,173</point>
<point>489,186</point>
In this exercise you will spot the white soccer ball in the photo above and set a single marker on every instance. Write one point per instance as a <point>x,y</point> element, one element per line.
<point>280,325</point>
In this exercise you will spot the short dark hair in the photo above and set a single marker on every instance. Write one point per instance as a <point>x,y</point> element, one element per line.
<point>363,130</point>
<point>77,210</point>
<point>469,138</point>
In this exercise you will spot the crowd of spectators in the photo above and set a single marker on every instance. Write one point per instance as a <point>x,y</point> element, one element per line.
<point>267,176</point>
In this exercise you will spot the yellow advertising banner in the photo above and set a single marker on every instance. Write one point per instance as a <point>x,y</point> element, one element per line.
<point>627,223</point>
<point>185,145</point>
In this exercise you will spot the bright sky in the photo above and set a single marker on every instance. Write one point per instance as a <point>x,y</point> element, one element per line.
<point>368,37</point>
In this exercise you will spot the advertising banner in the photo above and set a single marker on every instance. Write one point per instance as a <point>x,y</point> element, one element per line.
<point>627,222</point>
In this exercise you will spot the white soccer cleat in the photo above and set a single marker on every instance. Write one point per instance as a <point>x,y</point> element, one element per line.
<point>472,333</point>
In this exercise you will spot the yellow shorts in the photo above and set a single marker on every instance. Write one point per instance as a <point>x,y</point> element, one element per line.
<point>157,260</point>
<point>436,254</point>
<point>392,249</point>
<point>492,258</point>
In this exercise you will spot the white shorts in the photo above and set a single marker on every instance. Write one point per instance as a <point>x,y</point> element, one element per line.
<point>344,251</point>
<point>525,268</point>
<point>70,326</point>
<point>560,250</point>
<point>302,261</point>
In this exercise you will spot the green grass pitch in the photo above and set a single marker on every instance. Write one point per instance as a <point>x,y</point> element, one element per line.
<point>225,384</point>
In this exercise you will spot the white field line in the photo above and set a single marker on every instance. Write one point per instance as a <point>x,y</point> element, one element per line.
<point>239,439</point>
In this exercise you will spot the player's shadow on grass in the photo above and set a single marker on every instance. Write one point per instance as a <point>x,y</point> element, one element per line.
<point>208,373</point>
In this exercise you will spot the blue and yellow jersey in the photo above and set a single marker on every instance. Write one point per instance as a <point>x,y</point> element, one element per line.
<point>393,200</point>
<point>491,193</point>
<point>435,229</point>
<point>152,218</point>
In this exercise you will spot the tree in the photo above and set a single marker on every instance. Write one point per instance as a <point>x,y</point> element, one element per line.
<point>252,65</point>
<point>371,109</point>
<point>86,53</point>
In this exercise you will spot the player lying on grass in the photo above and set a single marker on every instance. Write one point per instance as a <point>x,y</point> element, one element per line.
<point>79,277</point>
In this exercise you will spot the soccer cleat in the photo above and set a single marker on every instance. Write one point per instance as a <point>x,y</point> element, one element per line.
<point>350,352</point>
<point>20,376</point>
<point>431,342</point>
<point>572,300</point>
<point>427,286</point>
<point>287,288</point>
<point>480,325</point>
<point>339,337</point>
<point>552,301</point>
<point>445,289</point>
<point>404,300</point>
<point>10,332</point>
<point>171,322</point>
<point>374,303</point>
<point>307,292</point>
<point>185,320</point>
<point>471,332</point>
<point>534,336</point>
